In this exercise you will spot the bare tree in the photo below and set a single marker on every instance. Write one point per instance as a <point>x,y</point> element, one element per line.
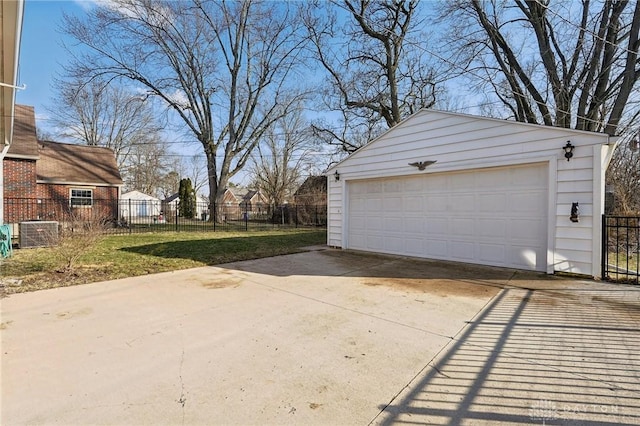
<point>375,80</point>
<point>146,167</point>
<point>279,160</point>
<point>624,176</point>
<point>195,168</point>
<point>169,184</point>
<point>565,64</point>
<point>43,134</point>
<point>211,62</point>
<point>101,114</point>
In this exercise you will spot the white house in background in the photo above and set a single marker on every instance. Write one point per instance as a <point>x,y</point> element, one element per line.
<point>170,205</point>
<point>478,190</point>
<point>136,204</point>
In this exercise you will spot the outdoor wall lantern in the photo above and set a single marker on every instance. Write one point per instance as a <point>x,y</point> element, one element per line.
<point>336,175</point>
<point>575,212</point>
<point>568,150</point>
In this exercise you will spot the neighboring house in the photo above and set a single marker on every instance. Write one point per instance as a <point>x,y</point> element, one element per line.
<point>253,201</point>
<point>170,207</point>
<point>477,190</point>
<point>230,204</point>
<point>46,180</point>
<point>232,197</point>
<point>136,204</point>
<point>313,191</point>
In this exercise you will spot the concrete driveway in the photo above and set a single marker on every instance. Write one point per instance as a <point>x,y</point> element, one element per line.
<point>324,337</point>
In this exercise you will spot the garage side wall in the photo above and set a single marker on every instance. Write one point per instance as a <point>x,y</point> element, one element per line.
<point>460,142</point>
<point>334,211</point>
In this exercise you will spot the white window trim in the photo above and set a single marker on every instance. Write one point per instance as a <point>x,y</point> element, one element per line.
<point>82,206</point>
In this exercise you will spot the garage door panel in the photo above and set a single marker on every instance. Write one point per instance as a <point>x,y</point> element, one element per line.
<point>394,224</point>
<point>393,204</point>
<point>436,203</point>
<point>492,228</point>
<point>358,240</point>
<point>437,226</point>
<point>528,201</point>
<point>413,225</point>
<point>374,204</point>
<point>373,187</point>
<point>462,227</point>
<point>526,230</point>
<point>358,224</point>
<point>373,223</point>
<point>492,253</point>
<point>525,258</point>
<point>394,245</point>
<point>438,184</point>
<point>414,246</point>
<point>528,176</point>
<point>462,250</point>
<point>413,185</point>
<point>491,203</point>
<point>491,216</point>
<point>461,203</point>
<point>375,243</point>
<point>393,186</point>
<point>436,248</point>
<point>358,205</point>
<point>413,204</point>
<point>487,179</point>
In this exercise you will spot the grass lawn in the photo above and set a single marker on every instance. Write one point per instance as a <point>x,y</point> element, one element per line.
<point>120,256</point>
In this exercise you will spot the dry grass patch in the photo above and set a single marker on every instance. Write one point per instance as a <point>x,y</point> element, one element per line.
<point>140,254</point>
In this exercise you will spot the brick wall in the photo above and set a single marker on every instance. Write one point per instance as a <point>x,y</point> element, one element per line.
<point>19,183</point>
<point>19,178</point>
<point>105,201</point>
<point>51,202</point>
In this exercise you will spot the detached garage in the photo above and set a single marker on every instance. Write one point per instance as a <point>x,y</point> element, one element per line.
<point>471,189</point>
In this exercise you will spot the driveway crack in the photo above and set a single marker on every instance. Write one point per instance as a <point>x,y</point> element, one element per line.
<point>182,400</point>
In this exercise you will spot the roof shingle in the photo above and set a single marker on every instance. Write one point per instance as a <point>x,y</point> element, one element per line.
<point>76,164</point>
<point>25,142</point>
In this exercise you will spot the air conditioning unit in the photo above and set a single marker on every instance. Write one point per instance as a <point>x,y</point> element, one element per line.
<point>38,234</point>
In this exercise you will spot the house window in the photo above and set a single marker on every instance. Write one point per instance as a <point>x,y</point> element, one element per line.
<point>81,197</point>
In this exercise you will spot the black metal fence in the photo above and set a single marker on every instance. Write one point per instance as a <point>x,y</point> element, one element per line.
<point>621,248</point>
<point>135,216</point>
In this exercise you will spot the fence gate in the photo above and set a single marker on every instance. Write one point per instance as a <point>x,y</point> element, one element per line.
<point>621,248</point>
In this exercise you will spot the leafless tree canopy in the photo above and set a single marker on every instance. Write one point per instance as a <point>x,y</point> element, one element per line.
<point>101,114</point>
<point>624,179</point>
<point>221,67</point>
<point>279,162</point>
<point>376,78</point>
<point>559,63</point>
<point>105,115</point>
<point>148,168</point>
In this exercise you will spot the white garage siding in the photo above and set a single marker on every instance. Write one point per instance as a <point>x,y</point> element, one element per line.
<point>494,216</point>
<point>468,143</point>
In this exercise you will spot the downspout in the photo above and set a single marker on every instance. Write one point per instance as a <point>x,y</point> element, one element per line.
<point>12,89</point>
<point>2,154</point>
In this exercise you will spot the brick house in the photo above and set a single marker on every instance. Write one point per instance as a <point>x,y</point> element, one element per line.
<point>312,191</point>
<point>254,201</point>
<point>45,180</point>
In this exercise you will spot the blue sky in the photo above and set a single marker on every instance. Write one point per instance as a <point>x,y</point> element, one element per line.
<point>42,55</point>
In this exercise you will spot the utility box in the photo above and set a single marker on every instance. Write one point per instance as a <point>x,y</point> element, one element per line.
<point>38,234</point>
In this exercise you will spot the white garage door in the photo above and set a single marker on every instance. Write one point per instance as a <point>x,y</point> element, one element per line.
<point>495,216</point>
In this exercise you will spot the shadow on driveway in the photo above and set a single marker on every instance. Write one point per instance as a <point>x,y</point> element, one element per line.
<point>215,251</point>
<point>569,357</point>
